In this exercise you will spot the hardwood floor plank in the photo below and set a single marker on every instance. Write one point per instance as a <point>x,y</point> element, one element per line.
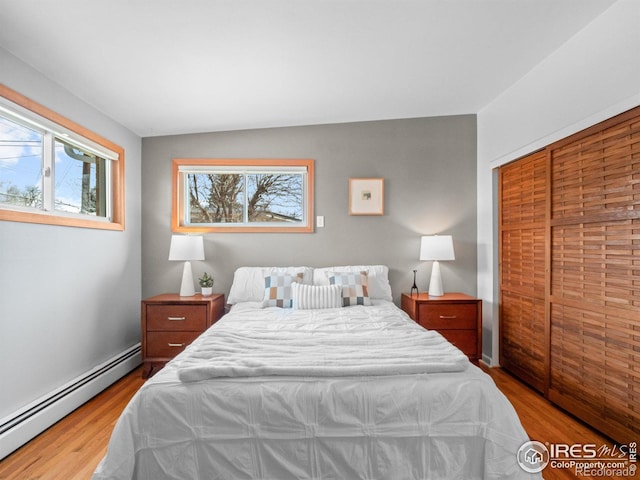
<point>545,422</point>
<point>72,448</point>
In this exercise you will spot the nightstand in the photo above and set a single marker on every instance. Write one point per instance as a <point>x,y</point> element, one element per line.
<point>171,322</point>
<point>456,316</point>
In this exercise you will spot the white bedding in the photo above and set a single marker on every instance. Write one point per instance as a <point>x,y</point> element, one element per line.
<point>328,342</point>
<point>308,420</point>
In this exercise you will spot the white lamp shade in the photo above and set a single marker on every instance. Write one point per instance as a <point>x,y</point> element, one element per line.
<point>186,248</point>
<point>437,247</point>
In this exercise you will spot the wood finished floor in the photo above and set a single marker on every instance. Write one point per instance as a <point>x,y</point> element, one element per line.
<point>72,448</point>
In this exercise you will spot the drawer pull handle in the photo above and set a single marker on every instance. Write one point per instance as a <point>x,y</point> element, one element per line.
<point>448,317</point>
<point>176,319</point>
<point>176,344</point>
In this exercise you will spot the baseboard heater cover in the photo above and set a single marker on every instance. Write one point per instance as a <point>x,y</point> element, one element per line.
<point>20,427</point>
<point>488,360</point>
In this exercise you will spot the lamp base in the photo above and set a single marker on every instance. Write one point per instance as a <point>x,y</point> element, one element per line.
<point>435,285</point>
<point>186,287</point>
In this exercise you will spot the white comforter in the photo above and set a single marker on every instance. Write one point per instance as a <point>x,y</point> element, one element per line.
<point>320,343</point>
<point>359,425</point>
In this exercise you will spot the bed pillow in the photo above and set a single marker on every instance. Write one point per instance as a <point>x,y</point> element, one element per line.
<point>306,297</point>
<point>248,282</point>
<point>379,287</point>
<point>355,289</point>
<point>277,289</point>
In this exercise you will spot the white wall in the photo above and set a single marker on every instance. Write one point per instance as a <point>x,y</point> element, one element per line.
<point>594,76</point>
<point>69,297</point>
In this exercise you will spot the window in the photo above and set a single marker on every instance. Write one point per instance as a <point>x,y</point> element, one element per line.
<point>53,171</point>
<point>242,195</point>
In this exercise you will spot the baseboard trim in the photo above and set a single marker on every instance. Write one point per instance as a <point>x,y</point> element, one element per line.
<point>23,425</point>
<point>487,360</point>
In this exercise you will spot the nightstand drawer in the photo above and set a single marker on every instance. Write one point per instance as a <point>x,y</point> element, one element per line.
<point>465,340</point>
<point>448,315</point>
<point>168,344</point>
<point>170,322</point>
<point>458,317</point>
<point>176,317</point>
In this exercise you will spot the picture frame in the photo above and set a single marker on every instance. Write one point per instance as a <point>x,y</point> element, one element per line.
<point>366,196</point>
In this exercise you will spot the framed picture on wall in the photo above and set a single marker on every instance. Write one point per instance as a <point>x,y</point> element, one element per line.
<point>366,196</point>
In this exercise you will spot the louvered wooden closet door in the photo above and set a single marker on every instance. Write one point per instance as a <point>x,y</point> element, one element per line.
<point>595,278</point>
<point>573,211</point>
<point>523,349</point>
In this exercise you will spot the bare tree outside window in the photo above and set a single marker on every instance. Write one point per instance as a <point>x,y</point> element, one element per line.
<point>216,198</point>
<point>261,194</point>
<point>274,198</point>
<point>220,198</point>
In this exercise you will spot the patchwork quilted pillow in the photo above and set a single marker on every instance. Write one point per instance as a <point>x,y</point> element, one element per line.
<point>355,289</point>
<point>277,289</point>
<point>248,282</point>
<point>377,278</point>
<point>306,297</point>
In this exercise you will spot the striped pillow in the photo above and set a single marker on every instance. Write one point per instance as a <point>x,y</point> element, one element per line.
<point>306,297</point>
<point>355,289</point>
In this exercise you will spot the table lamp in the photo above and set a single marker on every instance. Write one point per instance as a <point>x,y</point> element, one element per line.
<point>436,248</point>
<point>186,248</point>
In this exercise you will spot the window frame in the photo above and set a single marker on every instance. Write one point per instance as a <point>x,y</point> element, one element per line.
<point>53,217</point>
<point>178,194</point>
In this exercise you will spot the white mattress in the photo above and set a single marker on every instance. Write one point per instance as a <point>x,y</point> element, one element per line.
<point>436,425</point>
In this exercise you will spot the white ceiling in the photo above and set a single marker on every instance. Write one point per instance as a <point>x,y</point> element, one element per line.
<point>164,67</point>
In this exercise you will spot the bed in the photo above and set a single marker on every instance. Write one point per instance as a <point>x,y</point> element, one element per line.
<point>335,383</point>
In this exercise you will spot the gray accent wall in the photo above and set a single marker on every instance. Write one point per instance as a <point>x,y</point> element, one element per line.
<point>429,171</point>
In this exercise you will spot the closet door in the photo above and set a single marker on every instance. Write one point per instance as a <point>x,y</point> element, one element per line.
<point>523,332</point>
<point>594,301</point>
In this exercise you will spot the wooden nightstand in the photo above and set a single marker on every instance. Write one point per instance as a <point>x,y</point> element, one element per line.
<point>458,317</point>
<point>171,322</point>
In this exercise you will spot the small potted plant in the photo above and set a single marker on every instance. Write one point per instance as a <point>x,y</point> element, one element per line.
<point>206,282</point>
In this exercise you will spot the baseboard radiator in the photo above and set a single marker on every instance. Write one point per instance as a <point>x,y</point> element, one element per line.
<point>23,425</point>
<point>488,361</point>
